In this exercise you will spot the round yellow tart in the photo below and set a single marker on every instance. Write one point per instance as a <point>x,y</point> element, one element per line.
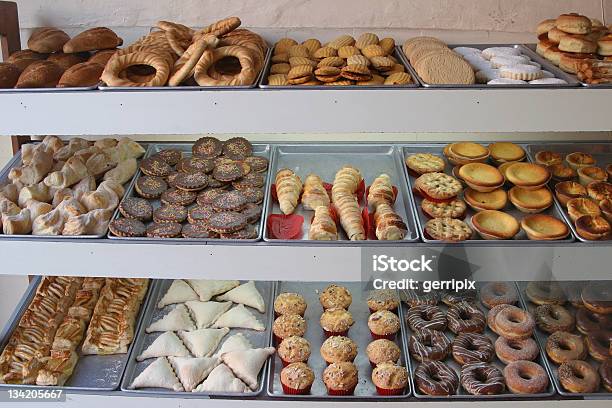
<point>493,200</point>
<point>503,152</point>
<point>543,227</point>
<point>527,175</point>
<point>491,224</point>
<point>481,177</point>
<point>530,201</point>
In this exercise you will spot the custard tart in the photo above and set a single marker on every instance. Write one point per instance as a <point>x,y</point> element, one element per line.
<point>543,227</point>
<point>466,152</point>
<point>577,160</point>
<point>606,209</point>
<point>503,152</point>
<point>593,227</point>
<point>527,175</point>
<point>599,190</point>
<point>561,172</point>
<point>577,207</point>
<point>530,201</point>
<point>589,174</point>
<point>494,200</point>
<point>546,158</point>
<point>609,170</point>
<point>491,224</point>
<point>566,190</point>
<point>481,177</point>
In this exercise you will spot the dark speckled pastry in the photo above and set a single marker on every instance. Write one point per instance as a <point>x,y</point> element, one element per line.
<point>214,183</point>
<point>248,181</point>
<point>194,231</point>
<point>136,208</point>
<point>226,222</point>
<point>230,201</point>
<point>127,227</point>
<point>178,197</point>
<point>248,232</point>
<point>258,164</point>
<point>253,195</point>
<point>200,214</point>
<point>155,166</point>
<point>231,171</point>
<point>170,213</point>
<point>170,156</point>
<point>150,186</point>
<point>196,164</point>
<point>170,179</point>
<point>237,148</point>
<point>207,196</point>
<point>207,147</point>
<point>191,181</point>
<point>164,230</point>
<point>252,212</point>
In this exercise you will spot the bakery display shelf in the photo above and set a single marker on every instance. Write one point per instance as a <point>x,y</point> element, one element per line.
<point>92,373</point>
<point>601,152</point>
<point>571,82</point>
<point>142,340</point>
<point>570,290</point>
<point>264,150</point>
<point>532,48</point>
<point>520,238</point>
<point>359,333</point>
<point>174,112</point>
<point>456,367</point>
<point>49,90</point>
<point>182,88</point>
<point>397,54</point>
<point>325,160</point>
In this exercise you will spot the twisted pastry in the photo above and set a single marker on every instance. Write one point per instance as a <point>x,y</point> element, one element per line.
<point>323,227</point>
<point>381,191</point>
<point>314,194</point>
<point>389,225</point>
<point>288,189</point>
<point>345,184</point>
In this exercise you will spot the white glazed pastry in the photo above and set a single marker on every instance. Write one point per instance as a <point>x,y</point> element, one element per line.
<point>491,52</point>
<point>221,379</point>
<point>166,344</point>
<point>206,289</point>
<point>178,292</point>
<point>236,342</point>
<point>206,313</point>
<point>246,364</point>
<point>203,342</point>
<point>239,317</point>
<point>246,294</point>
<point>177,319</point>
<point>158,374</point>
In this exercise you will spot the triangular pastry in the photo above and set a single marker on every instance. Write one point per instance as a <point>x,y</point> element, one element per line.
<point>167,344</point>
<point>221,379</point>
<point>205,313</point>
<point>192,371</point>
<point>246,294</point>
<point>177,319</point>
<point>206,289</point>
<point>236,342</point>
<point>239,317</point>
<point>178,292</point>
<point>203,342</point>
<point>246,364</point>
<point>158,374</point>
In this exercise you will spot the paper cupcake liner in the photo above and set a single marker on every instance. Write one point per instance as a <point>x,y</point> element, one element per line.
<point>350,391</point>
<point>296,391</point>
<point>331,333</point>
<point>393,391</point>
<point>390,336</point>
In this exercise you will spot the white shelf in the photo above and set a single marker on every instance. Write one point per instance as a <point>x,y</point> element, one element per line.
<point>304,111</point>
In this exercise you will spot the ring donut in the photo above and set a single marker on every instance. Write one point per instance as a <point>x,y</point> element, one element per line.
<point>596,297</point>
<point>598,344</point>
<point>578,376</point>
<point>587,321</point>
<point>551,318</point>
<point>514,323</point>
<point>525,377</point>
<point>564,346</point>
<point>246,76</point>
<point>515,350</point>
<point>497,293</point>
<point>113,69</point>
<point>543,293</point>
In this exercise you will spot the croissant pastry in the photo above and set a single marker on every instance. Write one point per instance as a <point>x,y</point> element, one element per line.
<point>37,208</point>
<point>70,207</point>
<point>124,171</point>
<point>105,143</point>
<point>50,223</point>
<point>389,225</point>
<point>38,192</point>
<point>314,194</point>
<point>112,185</point>
<point>17,224</point>
<point>52,144</point>
<point>85,154</point>
<point>288,189</point>
<point>8,207</point>
<point>40,165</point>
<point>323,227</point>
<point>84,186</point>
<point>73,171</point>
<point>10,192</point>
<point>346,182</point>
<point>60,195</point>
<point>73,146</point>
<point>129,149</point>
<point>381,191</point>
<point>93,223</point>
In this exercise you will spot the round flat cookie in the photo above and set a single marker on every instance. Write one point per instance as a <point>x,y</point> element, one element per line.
<point>230,201</point>
<point>248,232</point>
<point>164,230</point>
<point>191,181</point>
<point>195,231</point>
<point>252,212</point>
<point>258,164</point>
<point>170,156</point>
<point>196,164</point>
<point>253,195</point>
<point>177,196</point>
<point>127,227</point>
<point>170,213</point>
<point>136,208</point>
<point>226,222</point>
<point>207,196</point>
<point>200,214</point>
<point>231,171</point>
<point>237,148</point>
<point>150,187</point>
<point>207,147</point>
<point>155,166</point>
<point>250,180</point>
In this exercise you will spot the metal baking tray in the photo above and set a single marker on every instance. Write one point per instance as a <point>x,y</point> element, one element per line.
<point>397,54</point>
<point>541,338</point>
<point>92,372</point>
<point>325,160</point>
<point>520,238</point>
<point>359,333</point>
<point>106,88</point>
<point>461,393</point>
<point>153,313</point>
<point>16,162</point>
<point>49,90</point>
<point>259,149</point>
<point>546,66</point>
<point>532,48</point>
<point>601,151</point>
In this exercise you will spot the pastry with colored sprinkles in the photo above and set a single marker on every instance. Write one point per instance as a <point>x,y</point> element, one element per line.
<point>150,187</point>
<point>207,147</point>
<point>207,196</point>
<point>250,180</point>
<point>231,171</point>
<point>253,195</point>
<point>191,181</point>
<point>155,166</point>
<point>258,164</point>
<point>196,164</point>
<point>127,227</point>
<point>214,183</point>
<point>164,230</point>
<point>230,201</point>
<point>248,232</point>
<point>170,156</point>
<point>226,222</point>
<point>178,197</point>
<point>170,213</point>
<point>200,214</point>
<point>194,231</point>
<point>252,212</point>
<point>136,208</point>
<point>237,148</point>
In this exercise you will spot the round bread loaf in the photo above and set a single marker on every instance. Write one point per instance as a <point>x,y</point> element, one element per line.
<point>40,74</point>
<point>573,23</point>
<point>9,74</point>
<point>83,74</point>
<point>99,38</point>
<point>47,40</point>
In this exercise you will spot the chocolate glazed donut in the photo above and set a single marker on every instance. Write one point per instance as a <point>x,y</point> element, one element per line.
<point>471,348</point>
<point>426,317</point>
<point>436,378</point>
<point>578,376</point>
<point>452,298</point>
<point>598,343</point>
<point>552,318</point>
<point>564,346</point>
<point>605,372</point>
<point>482,379</point>
<point>598,297</point>
<point>587,321</point>
<point>497,293</point>
<point>429,345</point>
<point>465,318</point>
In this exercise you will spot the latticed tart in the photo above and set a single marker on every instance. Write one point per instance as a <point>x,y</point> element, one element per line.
<point>544,227</point>
<point>527,175</point>
<point>502,152</point>
<point>422,163</point>
<point>448,229</point>
<point>530,201</point>
<point>494,200</point>
<point>492,224</point>
<point>438,186</point>
<point>451,209</point>
<point>481,177</point>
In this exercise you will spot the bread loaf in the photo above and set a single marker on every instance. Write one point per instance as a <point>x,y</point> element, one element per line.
<point>102,57</point>
<point>9,74</point>
<point>99,38</point>
<point>24,58</point>
<point>47,40</point>
<point>83,74</point>
<point>40,74</point>
<point>65,61</point>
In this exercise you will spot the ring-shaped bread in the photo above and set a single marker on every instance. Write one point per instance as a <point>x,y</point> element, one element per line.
<point>247,74</point>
